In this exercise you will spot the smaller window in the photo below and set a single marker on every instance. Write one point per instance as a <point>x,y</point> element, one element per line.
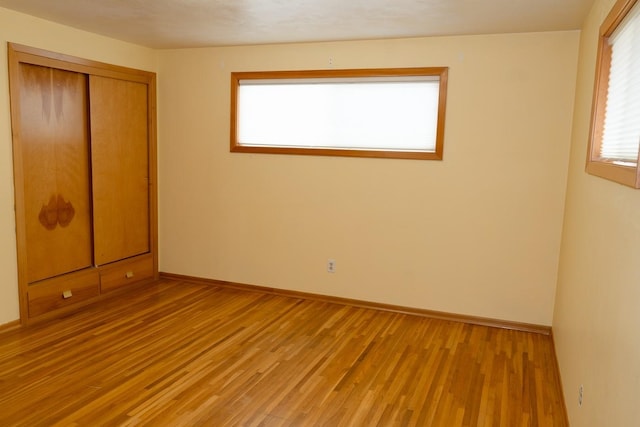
<point>392,113</point>
<point>615,124</point>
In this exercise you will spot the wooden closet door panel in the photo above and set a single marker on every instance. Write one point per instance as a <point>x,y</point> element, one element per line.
<point>120,168</point>
<point>55,152</point>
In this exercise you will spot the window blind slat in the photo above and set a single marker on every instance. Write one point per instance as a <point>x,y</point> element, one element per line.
<point>621,130</point>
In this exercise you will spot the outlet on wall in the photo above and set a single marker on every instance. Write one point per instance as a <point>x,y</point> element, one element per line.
<point>580,392</point>
<point>331,265</point>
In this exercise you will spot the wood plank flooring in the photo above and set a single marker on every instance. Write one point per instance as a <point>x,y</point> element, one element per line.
<point>183,354</point>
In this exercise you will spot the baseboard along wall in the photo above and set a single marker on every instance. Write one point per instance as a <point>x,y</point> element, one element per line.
<point>474,320</point>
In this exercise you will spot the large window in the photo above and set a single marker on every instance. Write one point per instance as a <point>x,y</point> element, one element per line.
<point>615,125</point>
<point>393,113</point>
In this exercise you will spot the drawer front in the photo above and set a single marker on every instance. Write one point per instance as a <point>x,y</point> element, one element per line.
<point>63,291</point>
<point>126,272</point>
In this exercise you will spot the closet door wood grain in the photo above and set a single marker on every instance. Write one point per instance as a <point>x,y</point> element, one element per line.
<point>55,151</point>
<point>120,168</point>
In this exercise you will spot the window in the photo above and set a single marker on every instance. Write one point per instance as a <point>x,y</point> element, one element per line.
<point>390,113</point>
<point>615,124</point>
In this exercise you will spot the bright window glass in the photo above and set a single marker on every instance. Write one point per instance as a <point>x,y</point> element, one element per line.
<point>342,112</point>
<point>615,129</point>
<point>621,130</point>
<point>383,115</point>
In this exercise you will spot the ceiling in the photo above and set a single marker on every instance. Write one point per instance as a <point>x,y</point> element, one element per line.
<point>198,23</point>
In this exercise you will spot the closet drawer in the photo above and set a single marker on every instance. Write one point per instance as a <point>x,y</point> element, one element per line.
<point>63,291</point>
<point>126,272</point>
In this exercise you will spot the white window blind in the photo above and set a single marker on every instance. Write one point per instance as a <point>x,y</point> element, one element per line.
<point>621,131</point>
<point>391,114</point>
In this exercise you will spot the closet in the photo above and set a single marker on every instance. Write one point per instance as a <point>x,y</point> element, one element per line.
<point>84,156</point>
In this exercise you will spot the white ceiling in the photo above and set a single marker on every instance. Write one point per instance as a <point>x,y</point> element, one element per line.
<point>197,23</point>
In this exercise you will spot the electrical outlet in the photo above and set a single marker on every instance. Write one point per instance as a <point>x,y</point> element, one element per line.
<point>580,393</point>
<point>331,266</point>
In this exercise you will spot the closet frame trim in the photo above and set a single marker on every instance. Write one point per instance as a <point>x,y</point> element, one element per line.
<point>18,54</point>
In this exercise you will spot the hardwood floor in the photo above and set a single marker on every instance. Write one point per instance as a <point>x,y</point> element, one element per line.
<point>178,353</point>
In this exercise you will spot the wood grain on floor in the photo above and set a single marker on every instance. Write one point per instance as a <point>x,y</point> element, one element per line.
<point>177,353</point>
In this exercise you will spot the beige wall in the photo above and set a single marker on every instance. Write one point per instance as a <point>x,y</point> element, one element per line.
<point>23,29</point>
<point>476,234</point>
<point>597,310</point>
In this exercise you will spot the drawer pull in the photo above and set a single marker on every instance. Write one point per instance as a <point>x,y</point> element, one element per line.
<point>67,294</point>
<point>128,274</point>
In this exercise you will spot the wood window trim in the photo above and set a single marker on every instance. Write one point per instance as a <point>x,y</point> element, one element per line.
<point>437,154</point>
<point>626,175</point>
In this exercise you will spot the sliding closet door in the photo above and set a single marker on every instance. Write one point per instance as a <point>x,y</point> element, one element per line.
<point>120,168</point>
<point>55,159</point>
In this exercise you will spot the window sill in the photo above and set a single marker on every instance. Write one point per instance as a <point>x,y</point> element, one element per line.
<point>382,154</point>
<point>626,175</point>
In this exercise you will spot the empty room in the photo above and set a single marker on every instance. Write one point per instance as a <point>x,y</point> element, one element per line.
<point>268,213</point>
